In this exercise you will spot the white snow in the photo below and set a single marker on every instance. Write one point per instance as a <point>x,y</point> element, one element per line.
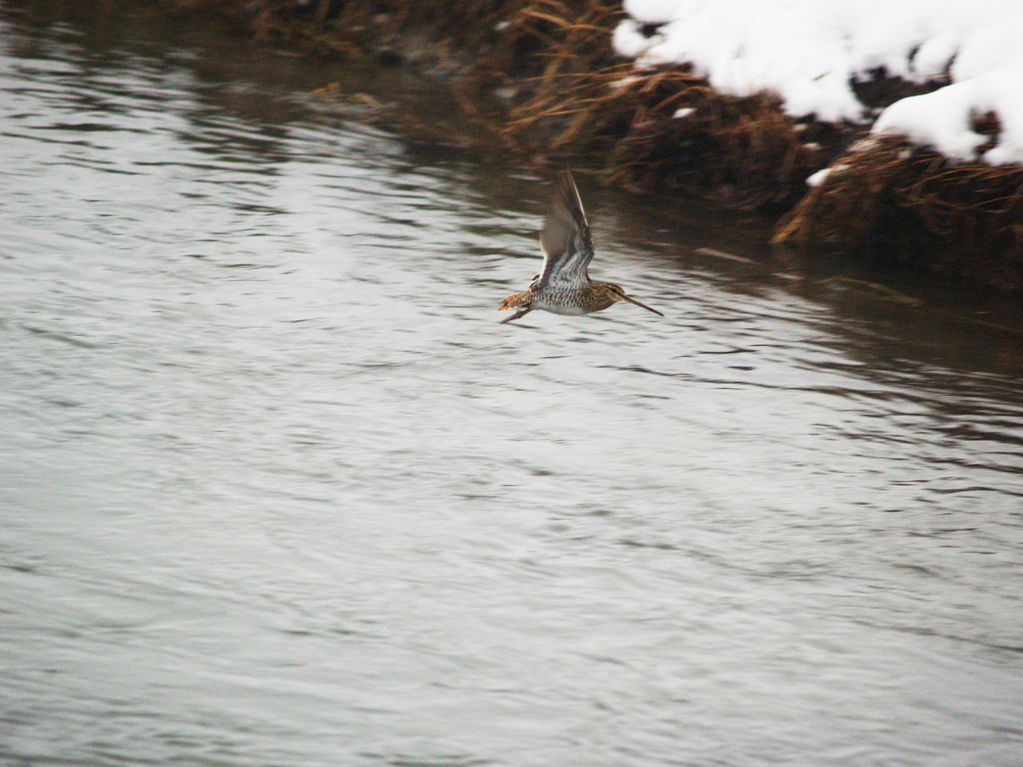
<point>942,118</point>
<point>683,112</point>
<point>815,179</point>
<point>809,51</point>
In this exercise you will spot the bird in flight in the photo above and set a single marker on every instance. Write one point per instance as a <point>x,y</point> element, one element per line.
<point>564,286</point>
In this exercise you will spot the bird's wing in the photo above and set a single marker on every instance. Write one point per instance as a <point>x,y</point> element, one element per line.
<point>565,237</point>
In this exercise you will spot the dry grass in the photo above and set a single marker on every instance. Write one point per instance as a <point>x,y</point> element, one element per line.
<point>741,151</point>
<point>541,77</point>
<point>500,39</point>
<point>565,97</point>
<point>891,197</point>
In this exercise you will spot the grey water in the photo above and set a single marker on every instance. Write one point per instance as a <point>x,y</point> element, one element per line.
<point>276,488</point>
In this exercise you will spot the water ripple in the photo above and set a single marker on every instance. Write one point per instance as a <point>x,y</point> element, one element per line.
<point>278,489</point>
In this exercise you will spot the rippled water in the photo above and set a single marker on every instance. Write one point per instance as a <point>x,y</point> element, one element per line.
<point>277,488</point>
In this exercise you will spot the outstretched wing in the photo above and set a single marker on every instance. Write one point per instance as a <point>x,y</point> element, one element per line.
<point>565,237</point>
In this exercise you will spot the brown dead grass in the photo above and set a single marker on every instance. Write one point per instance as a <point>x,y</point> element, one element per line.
<point>567,97</point>
<point>741,151</point>
<point>541,77</point>
<point>888,196</point>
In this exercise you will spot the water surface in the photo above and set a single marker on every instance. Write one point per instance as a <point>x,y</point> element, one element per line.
<point>277,488</point>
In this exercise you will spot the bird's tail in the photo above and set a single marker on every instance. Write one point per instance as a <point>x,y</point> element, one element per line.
<point>516,299</point>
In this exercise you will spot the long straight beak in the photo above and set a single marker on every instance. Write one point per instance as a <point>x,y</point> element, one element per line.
<point>637,303</point>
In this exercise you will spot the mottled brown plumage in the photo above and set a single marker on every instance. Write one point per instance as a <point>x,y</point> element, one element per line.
<point>516,299</point>
<point>564,286</point>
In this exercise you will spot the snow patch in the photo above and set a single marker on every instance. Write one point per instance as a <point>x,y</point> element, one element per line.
<point>809,52</point>
<point>943,119</point>
<point>818,178</point>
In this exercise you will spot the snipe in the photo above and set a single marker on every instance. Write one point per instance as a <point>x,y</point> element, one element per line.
<point>564,286</point>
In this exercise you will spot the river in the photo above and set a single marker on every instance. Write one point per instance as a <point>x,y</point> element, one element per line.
<point>276,488</point>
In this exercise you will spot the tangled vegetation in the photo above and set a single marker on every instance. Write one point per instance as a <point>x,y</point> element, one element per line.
<point>892,197</point>
<point>541,76</point>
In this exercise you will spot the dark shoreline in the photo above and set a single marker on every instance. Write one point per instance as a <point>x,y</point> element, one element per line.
<point>540,80</point>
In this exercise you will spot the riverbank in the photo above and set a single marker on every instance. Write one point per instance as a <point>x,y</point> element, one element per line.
<point>549,81</point>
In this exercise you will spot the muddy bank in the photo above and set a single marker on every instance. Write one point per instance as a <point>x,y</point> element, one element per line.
<point>542,80</point>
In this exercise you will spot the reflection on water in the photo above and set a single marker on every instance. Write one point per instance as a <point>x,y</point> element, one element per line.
<point>278,489</point>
